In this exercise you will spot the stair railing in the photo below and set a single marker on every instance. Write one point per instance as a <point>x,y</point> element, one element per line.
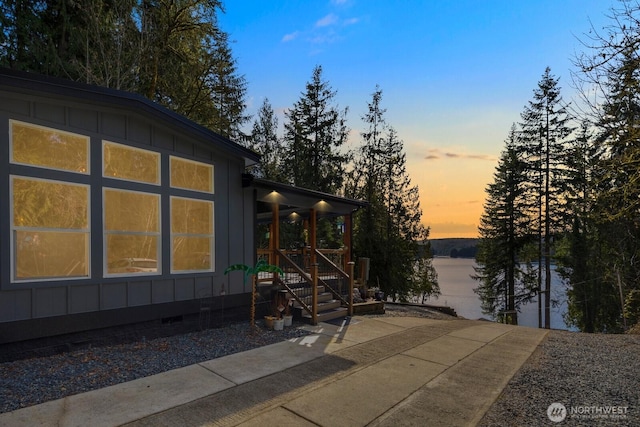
<point>287,265</point>
<point>330,271</point>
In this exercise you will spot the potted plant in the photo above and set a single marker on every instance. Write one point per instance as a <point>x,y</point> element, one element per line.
<point>288,317</point>
<point>261,266</point>
<point>278,308</point>
<point>269,321</point>
<point>278,324</point>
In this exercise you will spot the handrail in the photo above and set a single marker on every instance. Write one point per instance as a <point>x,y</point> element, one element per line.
<point>339,271</point>
<point>295,296</point>
<point>302,274</point>
<point>332,264</point>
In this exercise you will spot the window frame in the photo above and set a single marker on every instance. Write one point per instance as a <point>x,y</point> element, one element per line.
<point>14,229</point>
<point>12,160</point>
<point>211,236</point>
<point>157,154</point>
<point>183,159</point>
<point>105,233</point>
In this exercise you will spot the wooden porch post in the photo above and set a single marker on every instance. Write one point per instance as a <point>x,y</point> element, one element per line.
<point>351,270</point>
<point>314,294</point>
<point>314,266</point>
<point>313,234</point>
<point>274,237</point>
<point>346,241</point>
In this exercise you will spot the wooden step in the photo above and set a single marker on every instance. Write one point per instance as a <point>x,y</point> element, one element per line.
<point>296,290</point>
<point>327,315</point>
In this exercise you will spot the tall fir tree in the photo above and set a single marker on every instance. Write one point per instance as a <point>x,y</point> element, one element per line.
<point>544,133</point>
<point>265,141</point>
<point>389,230</point>
<point>172,52</point>
<point>610,75</point>
<point>504,272</point>
<point>315,135</point>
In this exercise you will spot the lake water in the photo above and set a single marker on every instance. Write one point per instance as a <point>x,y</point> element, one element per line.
<point>456,285</point>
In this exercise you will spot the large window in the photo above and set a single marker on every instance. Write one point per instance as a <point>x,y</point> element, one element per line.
<point>50,229</point>
<point>129,163</point>
<point>131,232</point>
<point>191,175</point>
<point>50,219</point>
<point>49,148</point>
<point>191,234</point>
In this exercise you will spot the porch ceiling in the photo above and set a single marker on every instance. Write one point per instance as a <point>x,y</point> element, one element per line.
<point>300,200</point>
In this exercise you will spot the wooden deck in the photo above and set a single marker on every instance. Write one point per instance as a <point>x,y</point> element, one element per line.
<point>368,307</point>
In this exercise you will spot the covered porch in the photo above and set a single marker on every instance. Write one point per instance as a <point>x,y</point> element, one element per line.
<point>319,276</point>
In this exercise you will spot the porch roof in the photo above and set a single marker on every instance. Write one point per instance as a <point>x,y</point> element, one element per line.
<point>291,199</point>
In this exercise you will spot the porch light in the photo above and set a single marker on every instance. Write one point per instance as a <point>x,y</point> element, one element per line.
<point>273,197</point>
<point>294,216</point>
<point>321,205</point>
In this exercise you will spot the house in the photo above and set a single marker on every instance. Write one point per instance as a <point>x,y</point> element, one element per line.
<point>115,210</point>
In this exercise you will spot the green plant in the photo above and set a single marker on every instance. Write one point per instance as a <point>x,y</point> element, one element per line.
<point>261,267</point>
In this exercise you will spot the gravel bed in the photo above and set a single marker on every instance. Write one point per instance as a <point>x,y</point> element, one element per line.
<point>595,377</point>
<point>36,380</point>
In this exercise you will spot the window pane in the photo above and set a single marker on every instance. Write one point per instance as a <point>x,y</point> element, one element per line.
<point>50,148</point>
<point>191,253</point>
<point>134,164</point>
<point>131,211</point>
<point>43,254</point>
<point>191,175</point>
<point>131,253</point>
<point>50,204</point>
<point>190,216</point>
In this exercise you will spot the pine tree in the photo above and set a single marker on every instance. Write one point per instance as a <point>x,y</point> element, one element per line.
<point>544,133</point>
<point>264,140</point>
<point>315,134</point>
<point>173,53</point>
<point>389,230</point>
<point>506,278</point>
<point>612,69</point>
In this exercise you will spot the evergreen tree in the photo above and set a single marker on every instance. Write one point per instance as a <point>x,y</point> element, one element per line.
<point>315,134</point>
<point>228,89</point>
<point>612,70</point>
<point>505,275</point>
<point>544,133</point>
<point>389,230</point>
<point>265,141</point>
<point>579,254</point>
<point>172,52</point>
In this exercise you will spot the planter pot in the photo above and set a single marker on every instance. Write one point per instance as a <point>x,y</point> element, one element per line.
<point>278,324</point>
<point>288,319</point>
<point>268,321</point>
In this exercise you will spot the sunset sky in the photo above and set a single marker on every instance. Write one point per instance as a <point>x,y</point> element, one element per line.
<point>455,75</point>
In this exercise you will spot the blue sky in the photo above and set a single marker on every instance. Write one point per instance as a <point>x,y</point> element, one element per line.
<point>454,74</point>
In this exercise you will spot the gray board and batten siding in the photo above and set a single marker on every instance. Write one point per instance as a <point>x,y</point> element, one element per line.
<point>49,307</point>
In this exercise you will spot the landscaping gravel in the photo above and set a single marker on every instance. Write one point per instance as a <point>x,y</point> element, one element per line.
<point>595,377</point>
<point>36,380</point>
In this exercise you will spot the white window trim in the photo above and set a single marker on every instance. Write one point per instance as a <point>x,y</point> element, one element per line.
<point>158,182</point>
<point>86,231</point>
<point>211,236</point>
<point>26,124</point>
<point>105,232</point>
<point>213,170</point>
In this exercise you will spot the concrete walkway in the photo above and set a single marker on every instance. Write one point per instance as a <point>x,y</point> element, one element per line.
<point>385,371</point>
